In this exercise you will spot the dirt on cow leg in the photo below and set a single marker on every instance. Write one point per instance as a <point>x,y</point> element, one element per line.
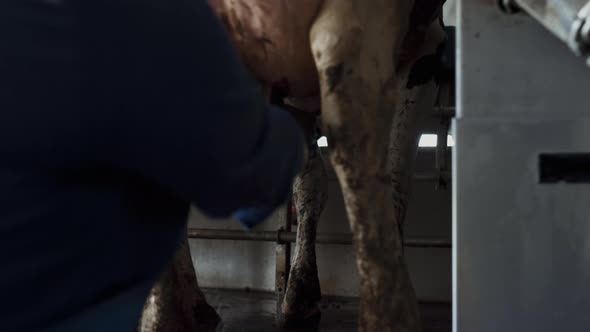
<point>415,102</point>
<point>300,304</point>
<point>176,303</point>
<point>354,44</point>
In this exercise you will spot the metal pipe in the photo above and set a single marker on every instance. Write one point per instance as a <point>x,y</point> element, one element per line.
<point>418,176</point>
<point>444,111</point>
<point>441,156</point>
<point>312,104</point>
<point>284,236</point>
<point>569,20</point>
<point>556,15</point>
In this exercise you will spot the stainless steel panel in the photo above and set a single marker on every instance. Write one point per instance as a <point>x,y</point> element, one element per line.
<point>509,65</point>
<point>522,261</point>
<point>522,248</point>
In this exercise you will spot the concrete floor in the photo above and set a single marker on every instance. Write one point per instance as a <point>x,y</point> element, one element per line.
<point>249,311</point>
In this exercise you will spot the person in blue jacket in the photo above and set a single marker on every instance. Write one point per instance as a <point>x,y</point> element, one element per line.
<point>114,117</point>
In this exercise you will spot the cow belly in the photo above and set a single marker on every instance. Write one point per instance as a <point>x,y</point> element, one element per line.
<point>272,37</point>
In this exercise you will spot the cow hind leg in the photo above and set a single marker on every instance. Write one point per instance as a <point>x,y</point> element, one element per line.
<point>176,303</point>
<point>353,44</point>
<point>300,303</point>
<point>414,103</point>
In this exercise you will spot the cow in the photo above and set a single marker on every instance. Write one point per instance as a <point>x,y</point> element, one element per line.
<point>175,302</point>
<point>370,66</point>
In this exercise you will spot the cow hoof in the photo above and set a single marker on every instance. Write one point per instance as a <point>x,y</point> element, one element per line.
<point>301,318</point>
<point>206,318</point>
<point>300,304</point>
<point>208,327</point>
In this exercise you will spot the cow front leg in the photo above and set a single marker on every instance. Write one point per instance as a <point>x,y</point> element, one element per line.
<point>176,302</point>
<point>353,44</point>
<point>300,304</point>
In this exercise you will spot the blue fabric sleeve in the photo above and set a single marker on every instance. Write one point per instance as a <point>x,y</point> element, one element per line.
<point>250,217</point>
<point>191,117</point>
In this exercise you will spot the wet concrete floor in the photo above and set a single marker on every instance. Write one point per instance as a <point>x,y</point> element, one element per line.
<point>253,311</point>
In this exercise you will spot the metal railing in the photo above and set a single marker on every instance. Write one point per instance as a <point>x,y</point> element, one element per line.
<point>281,237</point>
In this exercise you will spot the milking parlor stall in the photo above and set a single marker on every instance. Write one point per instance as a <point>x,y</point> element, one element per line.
<point>446,184</point>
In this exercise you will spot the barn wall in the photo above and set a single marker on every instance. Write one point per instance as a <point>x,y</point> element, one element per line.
<point>239,264</point>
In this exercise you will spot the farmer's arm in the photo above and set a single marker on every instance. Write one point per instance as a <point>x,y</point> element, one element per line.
<point>197,122</point>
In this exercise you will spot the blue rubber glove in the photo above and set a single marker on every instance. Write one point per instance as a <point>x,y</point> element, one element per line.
<point>250,217</point>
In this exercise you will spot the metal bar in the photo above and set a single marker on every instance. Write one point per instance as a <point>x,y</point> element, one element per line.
<point>557,16</point>
<point>569,20</point>
<point>313,104</point>
<point>441,159</point>
<point>444,111</point>
<point>418,177</point>
<point>442,132</point>
<point>288,236</point>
